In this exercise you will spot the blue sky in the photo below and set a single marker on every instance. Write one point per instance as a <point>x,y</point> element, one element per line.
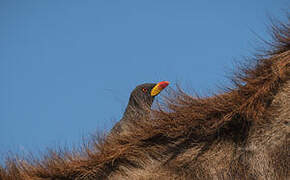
<point>67,67</point>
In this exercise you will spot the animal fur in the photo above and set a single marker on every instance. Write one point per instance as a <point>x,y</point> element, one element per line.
<point>242,133</point>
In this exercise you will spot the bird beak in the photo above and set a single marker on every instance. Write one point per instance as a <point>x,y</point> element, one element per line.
<point>159,87</point>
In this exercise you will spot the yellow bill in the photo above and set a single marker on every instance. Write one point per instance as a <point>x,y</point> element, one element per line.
<point>159,87</point>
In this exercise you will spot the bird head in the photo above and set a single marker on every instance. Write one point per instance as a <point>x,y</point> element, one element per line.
<point>144,94</point>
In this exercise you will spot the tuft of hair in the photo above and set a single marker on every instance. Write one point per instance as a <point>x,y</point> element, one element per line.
<point>242,133</point>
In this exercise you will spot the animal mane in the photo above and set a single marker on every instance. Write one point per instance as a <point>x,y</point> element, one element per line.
<point>182,122</point>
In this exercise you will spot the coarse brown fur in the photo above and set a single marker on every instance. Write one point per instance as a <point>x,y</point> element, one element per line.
<point>242,133</point>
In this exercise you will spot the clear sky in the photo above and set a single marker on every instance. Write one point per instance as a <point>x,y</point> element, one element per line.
<point>67,67</point>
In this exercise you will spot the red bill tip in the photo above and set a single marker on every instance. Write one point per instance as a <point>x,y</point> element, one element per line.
<point>163,84</point>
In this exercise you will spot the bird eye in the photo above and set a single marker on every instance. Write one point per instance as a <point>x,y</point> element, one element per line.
<point>144,90</point>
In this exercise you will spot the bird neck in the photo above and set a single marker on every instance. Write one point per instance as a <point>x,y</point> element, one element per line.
<point>136,106</point>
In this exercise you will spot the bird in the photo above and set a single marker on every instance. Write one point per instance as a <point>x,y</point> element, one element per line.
<point>141,98</point>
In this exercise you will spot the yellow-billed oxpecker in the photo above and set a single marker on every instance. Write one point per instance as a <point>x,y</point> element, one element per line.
<point>141,98</point>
